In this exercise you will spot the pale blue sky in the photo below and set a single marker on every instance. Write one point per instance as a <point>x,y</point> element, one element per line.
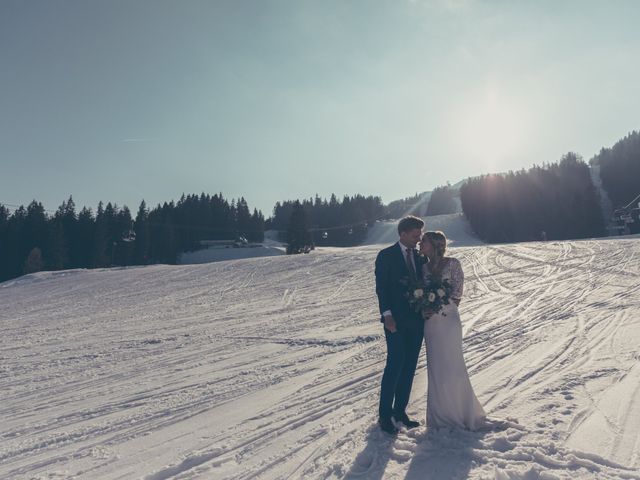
<point>271,100</point>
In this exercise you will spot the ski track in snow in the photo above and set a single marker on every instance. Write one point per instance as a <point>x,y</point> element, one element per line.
<point>270,368</point>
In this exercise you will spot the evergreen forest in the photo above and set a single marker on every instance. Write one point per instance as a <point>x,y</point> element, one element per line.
<point>554,202</point>
<point>31,239</point>
<point>620,169</point>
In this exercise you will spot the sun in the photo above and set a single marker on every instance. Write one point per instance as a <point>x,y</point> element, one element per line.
<point>491,130</point>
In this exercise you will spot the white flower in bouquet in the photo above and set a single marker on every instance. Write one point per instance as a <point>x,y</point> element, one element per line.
<point>431,297</point>
<point>441,292</point>
<point>418,293</point>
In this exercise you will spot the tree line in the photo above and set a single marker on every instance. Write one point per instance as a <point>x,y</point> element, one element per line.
<point>555,202</point>
<point>327,222</point>
<point>333,222</point>
<point>32,240</point>
<point>620,169</point>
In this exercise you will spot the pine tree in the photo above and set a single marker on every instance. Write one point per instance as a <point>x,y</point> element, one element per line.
<point>35,230</point>
<point>141,248</point>
<point>243,218</point>
<point>298,235</point>
<point>257,227</point>
<point>123,247</point>
<point>68,219</point>
<point>4,245</point>
<point>100,255</point>
<point>85,234</point>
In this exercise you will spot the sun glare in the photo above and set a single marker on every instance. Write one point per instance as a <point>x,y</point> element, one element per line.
<point>490,130</point>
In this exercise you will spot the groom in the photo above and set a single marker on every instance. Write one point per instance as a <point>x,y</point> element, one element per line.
<point>396,267</point>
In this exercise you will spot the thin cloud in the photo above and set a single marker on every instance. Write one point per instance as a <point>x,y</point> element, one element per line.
<point>137,140</point>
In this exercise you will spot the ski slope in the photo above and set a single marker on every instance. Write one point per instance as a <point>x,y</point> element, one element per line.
<point>455,225</point>
<point>222,254</point>
<point>270,368</point>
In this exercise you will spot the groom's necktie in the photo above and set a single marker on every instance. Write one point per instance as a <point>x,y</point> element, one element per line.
<point>410,266</point>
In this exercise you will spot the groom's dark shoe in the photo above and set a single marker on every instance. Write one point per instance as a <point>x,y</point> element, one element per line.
<point>402,418</point>
<point>386,425</point>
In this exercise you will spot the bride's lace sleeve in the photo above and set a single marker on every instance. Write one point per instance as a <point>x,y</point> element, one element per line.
<point>457,279</point>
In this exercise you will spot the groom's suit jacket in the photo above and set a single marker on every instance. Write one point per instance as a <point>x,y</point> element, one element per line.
<point>392,285</point>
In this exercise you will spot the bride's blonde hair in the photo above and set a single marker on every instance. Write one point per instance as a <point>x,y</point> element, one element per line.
<point>438,241</point>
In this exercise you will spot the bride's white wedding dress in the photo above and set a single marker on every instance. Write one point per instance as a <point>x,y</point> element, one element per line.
<point>451,401</point>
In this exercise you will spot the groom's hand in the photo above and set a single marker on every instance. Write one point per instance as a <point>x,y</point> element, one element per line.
<point>390,324</point>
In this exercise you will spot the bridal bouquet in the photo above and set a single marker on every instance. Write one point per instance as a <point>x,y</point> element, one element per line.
<point>430,298</point>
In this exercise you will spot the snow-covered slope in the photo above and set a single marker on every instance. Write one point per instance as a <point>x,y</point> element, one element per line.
<point>270,368</point>
<point>455,226</point>
<point>270,247</point>
<point>221,254</point>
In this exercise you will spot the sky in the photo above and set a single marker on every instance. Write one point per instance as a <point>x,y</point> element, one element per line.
<point>272,100</point>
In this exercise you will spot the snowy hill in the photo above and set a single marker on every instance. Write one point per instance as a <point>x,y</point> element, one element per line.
<point>270,368</point>
<point>270,247</point>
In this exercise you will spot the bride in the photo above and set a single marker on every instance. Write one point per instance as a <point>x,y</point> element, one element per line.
<point>451,401</point>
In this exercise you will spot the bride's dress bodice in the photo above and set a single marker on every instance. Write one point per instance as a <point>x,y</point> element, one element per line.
<point>451,271</point>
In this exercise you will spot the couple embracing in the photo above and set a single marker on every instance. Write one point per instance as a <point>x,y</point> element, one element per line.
<point>419,292</point>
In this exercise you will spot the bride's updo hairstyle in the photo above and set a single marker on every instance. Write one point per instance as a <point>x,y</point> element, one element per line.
<point>438,241</point>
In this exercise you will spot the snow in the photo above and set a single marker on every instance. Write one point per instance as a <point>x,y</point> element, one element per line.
<point>270,368</point>
<point>217,254</point>
<point>271,246</point>
<point>605,202</point>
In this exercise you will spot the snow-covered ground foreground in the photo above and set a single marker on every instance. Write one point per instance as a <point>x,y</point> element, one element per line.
<point>270,368</point>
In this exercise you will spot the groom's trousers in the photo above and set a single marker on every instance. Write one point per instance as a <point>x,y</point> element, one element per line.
<point>403,349</point>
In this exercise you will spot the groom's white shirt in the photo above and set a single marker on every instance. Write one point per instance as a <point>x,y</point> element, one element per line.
<point>387,313</point>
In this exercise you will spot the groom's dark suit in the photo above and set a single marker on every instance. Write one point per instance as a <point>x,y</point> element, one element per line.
<point>403,346</point>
